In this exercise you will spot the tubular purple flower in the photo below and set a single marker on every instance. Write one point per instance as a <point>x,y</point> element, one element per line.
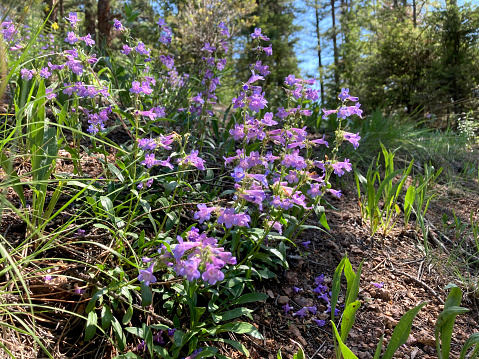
<point>50,95</point>
<point>71,38</point>
<point>335,192</point>
<point>301,313</point>
<point>208,48</point>
<point>352,138</point>
<point>149,161</point>
<point>327,113</point>
<point>146,275</point>
<point>73,18</point>
<point>88,40</point>
<point>268,50</point>
<point>212,274</point>
<point>204,213</point>
<point>117,25</point>
<point>166,163</point>
<point>126,50</point>
<point>26,74</point>
<point>257,102</point>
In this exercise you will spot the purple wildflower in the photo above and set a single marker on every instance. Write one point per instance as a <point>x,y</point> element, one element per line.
<point>287,308</point>
<point>71,38</point>
<point>336,193</point>
<point>212,274</point>
<point>204,213</point>
<point>26,74</point>
<point>320,322</point>
<point>301,313</point>
<point>118,25</point>
<point>149,161</point>
<point>146,275</point>
<point>353,138</point>
<point>306,244</point>
<point>73,18</point>
<point>50,94</point>
<point>45,73</point>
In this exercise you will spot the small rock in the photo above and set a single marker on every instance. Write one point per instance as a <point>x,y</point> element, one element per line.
<point>293,329</point>
<point>356,250</point>
<point>291,277</point>
<point>425,338</point>
<point>282,300</point>
<point>411,340</point>
<point>414,352</point>
<point>270,293</point>
<point>364,355</point>
<point>384,295</point>
<point>304,302</point>
<point>390,322</point>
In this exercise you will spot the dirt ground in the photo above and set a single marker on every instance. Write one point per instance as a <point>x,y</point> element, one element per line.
<point>399,262</point>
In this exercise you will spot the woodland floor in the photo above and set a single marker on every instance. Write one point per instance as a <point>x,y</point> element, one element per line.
<point>399,261</point>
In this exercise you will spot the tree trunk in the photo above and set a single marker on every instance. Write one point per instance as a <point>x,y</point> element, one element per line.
<point>104,22</point>
<point>414,13</point>
<point>320,64</point>
<point>335,48</point>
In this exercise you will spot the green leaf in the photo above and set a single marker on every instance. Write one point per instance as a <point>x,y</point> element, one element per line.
<point>162,351</point>
<point>235,344</point>
<point>128,315</point>
<point>377,353</point>
<point>107,206</point>
<point>299,354</point>
<point>444,327</point>
<point>445,322</point>
<point>472,340</point>
<point>116,172</point>
<point>106,317</point>
<point>232,314</point>
<point>348,318</point>
<point>96,296</point>
<point>119,335</point>
<point>353,290</point>
<point>401,332</point>
<point>345,351</point>
<point>146,295</point>
<point>240,328</point>
<point>178,338</point>
<point>337,285</point>
<point>250,297</point>
<point>148,338</point>
<point>90,328</point>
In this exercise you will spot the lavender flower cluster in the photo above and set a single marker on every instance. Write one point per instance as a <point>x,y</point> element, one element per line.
<point>281,175</point>
<point>197,256</point>
<point>323,293</point>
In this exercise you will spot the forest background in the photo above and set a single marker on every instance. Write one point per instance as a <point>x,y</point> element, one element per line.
<point>403,57</point>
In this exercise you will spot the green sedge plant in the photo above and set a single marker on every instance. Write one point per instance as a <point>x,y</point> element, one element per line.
<point>385,192</point>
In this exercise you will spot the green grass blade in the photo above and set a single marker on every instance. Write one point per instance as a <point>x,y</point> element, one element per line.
<point>401,332</point>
